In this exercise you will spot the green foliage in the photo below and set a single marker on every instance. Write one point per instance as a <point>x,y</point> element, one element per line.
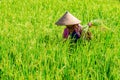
<point>31,45</point>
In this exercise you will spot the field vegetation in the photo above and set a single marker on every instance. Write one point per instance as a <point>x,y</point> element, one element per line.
<point>32,47</point>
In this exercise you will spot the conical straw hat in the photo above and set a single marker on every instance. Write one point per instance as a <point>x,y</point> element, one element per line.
<point>67,19</point>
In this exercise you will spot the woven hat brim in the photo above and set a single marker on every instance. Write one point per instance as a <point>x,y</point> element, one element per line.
<point>67,19</point>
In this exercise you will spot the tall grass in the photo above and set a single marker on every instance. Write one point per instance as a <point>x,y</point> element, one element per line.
<point>31,45</point>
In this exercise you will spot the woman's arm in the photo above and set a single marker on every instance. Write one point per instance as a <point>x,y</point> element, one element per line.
<point>66,33</point>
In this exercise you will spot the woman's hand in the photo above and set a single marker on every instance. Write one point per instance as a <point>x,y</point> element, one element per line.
<point>90,24</point>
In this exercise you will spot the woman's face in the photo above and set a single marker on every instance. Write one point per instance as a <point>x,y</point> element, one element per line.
<point>70,27</point>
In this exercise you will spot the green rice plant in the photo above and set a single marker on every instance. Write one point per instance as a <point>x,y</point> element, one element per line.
<point>32,47</point>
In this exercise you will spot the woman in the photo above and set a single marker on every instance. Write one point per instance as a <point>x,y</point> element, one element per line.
<point>73,27</point>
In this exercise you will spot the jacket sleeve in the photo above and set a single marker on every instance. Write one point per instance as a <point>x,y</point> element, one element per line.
<point>66,33</point>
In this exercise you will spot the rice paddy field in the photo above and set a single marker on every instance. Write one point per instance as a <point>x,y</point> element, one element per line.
<point>32,47</point>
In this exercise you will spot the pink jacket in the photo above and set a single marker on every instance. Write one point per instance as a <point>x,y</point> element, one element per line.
<point>66,33</point>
